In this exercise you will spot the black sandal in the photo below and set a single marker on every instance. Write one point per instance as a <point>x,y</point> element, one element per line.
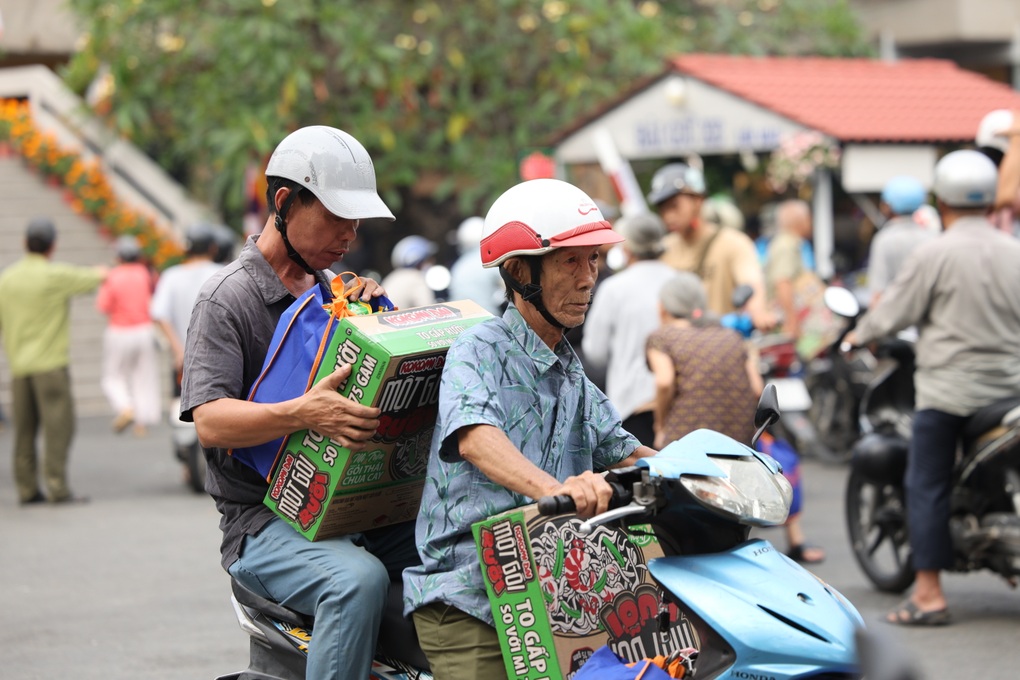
<point>798,553</point>
<point>909,614</point>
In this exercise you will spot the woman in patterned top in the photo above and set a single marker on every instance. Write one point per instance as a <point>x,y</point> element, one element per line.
<point>705,378</point>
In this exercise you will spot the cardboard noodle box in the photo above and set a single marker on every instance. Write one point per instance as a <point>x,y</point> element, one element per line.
<point>324,489</point>
<point>558,596</point>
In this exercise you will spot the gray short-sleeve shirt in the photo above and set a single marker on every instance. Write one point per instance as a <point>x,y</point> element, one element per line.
<point>232,325</point>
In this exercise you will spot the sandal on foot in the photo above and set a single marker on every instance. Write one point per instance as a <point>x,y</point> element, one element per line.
<point>909,614</point>
<point>800,553</point>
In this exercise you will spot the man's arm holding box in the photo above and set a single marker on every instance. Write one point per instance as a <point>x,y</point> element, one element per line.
<point>235,423</point>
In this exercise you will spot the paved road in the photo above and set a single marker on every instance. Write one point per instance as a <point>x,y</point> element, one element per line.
<point>984,641</point>
<point>126,586</point>
<point>129,586</point>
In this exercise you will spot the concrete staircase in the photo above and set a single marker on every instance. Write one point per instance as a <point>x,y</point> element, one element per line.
<point>23,196</point>
<point>136,180</point>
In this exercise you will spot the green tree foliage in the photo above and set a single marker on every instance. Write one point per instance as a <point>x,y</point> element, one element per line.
<point>446,95</point>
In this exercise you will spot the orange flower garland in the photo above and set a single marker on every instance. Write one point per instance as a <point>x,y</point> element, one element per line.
<point>89,192</point>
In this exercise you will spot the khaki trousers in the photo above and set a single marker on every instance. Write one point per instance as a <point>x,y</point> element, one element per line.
<point>42,400</point>
<point>457,645</point>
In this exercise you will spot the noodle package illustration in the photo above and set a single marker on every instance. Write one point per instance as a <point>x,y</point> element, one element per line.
<point>557,595</point>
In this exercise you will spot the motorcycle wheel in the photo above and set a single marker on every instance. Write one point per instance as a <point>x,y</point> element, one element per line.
<point>876,519</point>
<point>196,464</point>
<point>832,411</point>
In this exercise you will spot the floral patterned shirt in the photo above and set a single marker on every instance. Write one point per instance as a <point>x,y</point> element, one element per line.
<point>500,373</point>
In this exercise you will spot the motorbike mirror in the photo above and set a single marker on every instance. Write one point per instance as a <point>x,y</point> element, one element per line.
<point>767,412</point>
<point>842,302</point>
<point>741,294</point>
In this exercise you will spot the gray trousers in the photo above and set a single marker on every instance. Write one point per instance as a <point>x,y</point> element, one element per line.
<point>42,400</point>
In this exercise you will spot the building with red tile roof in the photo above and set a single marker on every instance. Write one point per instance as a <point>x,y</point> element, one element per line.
<point>888,117</point>
<point>860,100</point>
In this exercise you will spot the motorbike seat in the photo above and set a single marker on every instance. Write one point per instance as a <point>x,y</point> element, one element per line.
<point>397,637</point>
<point>268,607</point>
<point>987,419</point>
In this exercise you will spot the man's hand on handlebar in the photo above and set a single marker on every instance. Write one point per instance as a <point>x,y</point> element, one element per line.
<point>590,491</point>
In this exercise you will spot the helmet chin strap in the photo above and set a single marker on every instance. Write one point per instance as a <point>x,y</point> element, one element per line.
<point>531,292</point>
<point>292,253</point>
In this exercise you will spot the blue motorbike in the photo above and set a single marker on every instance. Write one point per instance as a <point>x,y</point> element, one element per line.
<point>756,613</point>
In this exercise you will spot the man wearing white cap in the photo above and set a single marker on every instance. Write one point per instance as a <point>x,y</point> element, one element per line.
<point>321,184</point>
<point>517,419</point>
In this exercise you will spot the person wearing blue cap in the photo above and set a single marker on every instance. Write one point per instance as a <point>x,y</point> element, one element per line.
<point>898,237</point>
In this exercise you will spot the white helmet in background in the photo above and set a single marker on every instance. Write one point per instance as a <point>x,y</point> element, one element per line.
<point>335,167</point>
<point>469,233</point>
<point>990,128</point>
<point>412,251</point>
<point>966,179</point>
<point>539,215</point>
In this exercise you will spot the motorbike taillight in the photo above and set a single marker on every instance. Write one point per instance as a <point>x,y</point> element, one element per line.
<point>779,358</point>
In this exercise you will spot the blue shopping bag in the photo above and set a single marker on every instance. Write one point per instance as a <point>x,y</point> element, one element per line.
<point>295,354</point>
<point>605,665</point>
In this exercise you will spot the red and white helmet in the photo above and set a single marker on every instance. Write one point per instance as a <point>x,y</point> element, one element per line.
<point>536,216</point>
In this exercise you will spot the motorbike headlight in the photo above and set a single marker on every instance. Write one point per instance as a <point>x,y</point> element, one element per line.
<point>750,492</point>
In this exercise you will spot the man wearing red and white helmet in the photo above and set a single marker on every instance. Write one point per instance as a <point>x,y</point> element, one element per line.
<point>536,218</point>
<point>518,419</point>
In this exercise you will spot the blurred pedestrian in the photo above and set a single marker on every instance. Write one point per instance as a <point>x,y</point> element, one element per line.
<point>706,378</point>
<point>177,289</point>
<point>225,243</point>
<point>784,264</point>
<point>406,285</point>
<point>722,258</point>
<point>35,325</point>
<point>721,211</point>
<point>468,279</point>
<point>795,290</point>
<point>130,373</point>
<point>623,313</point>
<point>902,197</point>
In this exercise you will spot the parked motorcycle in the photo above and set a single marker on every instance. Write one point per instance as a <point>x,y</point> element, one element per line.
<point>836,382</point>
<point>755,612</point>
<point>985,498</point>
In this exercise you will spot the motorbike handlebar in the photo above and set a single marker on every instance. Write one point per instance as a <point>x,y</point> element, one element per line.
<point>555,505</point>
<point>558,505</point>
